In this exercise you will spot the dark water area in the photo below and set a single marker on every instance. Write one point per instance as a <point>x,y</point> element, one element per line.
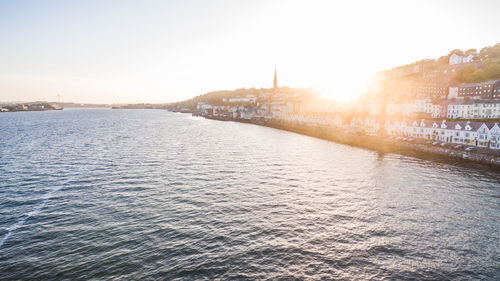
<point>101,194</point>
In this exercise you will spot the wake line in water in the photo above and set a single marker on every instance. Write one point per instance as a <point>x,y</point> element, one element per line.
<point>40,206</point>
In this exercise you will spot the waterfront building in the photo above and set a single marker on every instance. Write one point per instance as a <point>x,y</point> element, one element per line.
<point>317,120</point>
<point>356,125</point>
<point>277,108</point>
<point>455,109</point>
<point>483,109</point>
<point>481,134</point>
<point>495,136</point>
<point>367,126</point>
<point>423,106</point>
<point>393,127</point>
<point>36,107</point>
<point>371,126</point>
<point>22,107</point>
<point>439,110</point>
<point>246,99</point>
<point>248,113</point>
<point>203,106</point>
<point>464,132</point>
<point>473,109</point>
<point>484,90</point>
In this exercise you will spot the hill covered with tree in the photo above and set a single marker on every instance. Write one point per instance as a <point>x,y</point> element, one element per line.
<point>262,94</point>
<point>488,69</point>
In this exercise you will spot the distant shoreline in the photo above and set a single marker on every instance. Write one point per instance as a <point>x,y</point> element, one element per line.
<point>33,110</point>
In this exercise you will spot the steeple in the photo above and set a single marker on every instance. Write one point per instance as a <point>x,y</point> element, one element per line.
<point>275,80</point>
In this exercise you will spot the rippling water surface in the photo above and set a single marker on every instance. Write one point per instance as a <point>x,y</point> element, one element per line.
<point>148,194</point>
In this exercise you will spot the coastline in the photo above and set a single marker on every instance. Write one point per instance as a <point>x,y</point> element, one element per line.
<point>384,145</point>
<point>33,110</point>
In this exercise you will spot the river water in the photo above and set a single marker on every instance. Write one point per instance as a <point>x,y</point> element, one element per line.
<point>148,194</point>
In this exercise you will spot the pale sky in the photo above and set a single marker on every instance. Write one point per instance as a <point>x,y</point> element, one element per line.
<point>163,51</point>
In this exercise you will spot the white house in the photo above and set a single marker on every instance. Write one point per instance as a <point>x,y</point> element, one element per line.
<point>203,106</point>
<point>455,110</point>
<point>436,111</point>
<point>473,109</point>
<point>247,99</point>
<point>458,59</point>
<point>423,106</point>
<point>495,136</point>
<point>470,133</point>
<point>453,93</point>
<point>277,109</point>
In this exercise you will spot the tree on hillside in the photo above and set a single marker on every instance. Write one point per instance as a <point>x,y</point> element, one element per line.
<point>463,74</point>
<point>443,60</point>
<point>477,76</point>
<point>456,52</point>
<point>471,51</point>
<point>490,52</point>
<point>491,71</point>
<point>469,74</point>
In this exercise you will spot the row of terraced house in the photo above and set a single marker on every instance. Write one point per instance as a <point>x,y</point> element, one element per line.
<point>481,134</point>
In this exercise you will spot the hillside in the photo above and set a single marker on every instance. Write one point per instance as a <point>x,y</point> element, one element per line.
<point>262,94</point>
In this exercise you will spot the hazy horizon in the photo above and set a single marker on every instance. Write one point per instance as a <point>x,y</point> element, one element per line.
<point>159,52</point>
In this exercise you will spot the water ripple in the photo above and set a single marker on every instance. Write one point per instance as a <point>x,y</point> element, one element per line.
<point>131,194</point>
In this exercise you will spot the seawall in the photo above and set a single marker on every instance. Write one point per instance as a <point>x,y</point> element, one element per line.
<point>384,145</point>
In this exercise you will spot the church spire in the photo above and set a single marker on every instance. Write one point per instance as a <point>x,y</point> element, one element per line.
<point>275,80</point>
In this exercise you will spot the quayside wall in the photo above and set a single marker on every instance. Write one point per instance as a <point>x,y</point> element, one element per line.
<point>384,145</point>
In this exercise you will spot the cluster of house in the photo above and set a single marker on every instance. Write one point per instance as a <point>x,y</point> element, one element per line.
<point>432,93</point>
<point>459,59</point>
<point>481,134</point>
<point>485,90</point>
<point>248,108</point>
<point>450,109</point>
<point>22,107</point>
<point>464,101</point>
